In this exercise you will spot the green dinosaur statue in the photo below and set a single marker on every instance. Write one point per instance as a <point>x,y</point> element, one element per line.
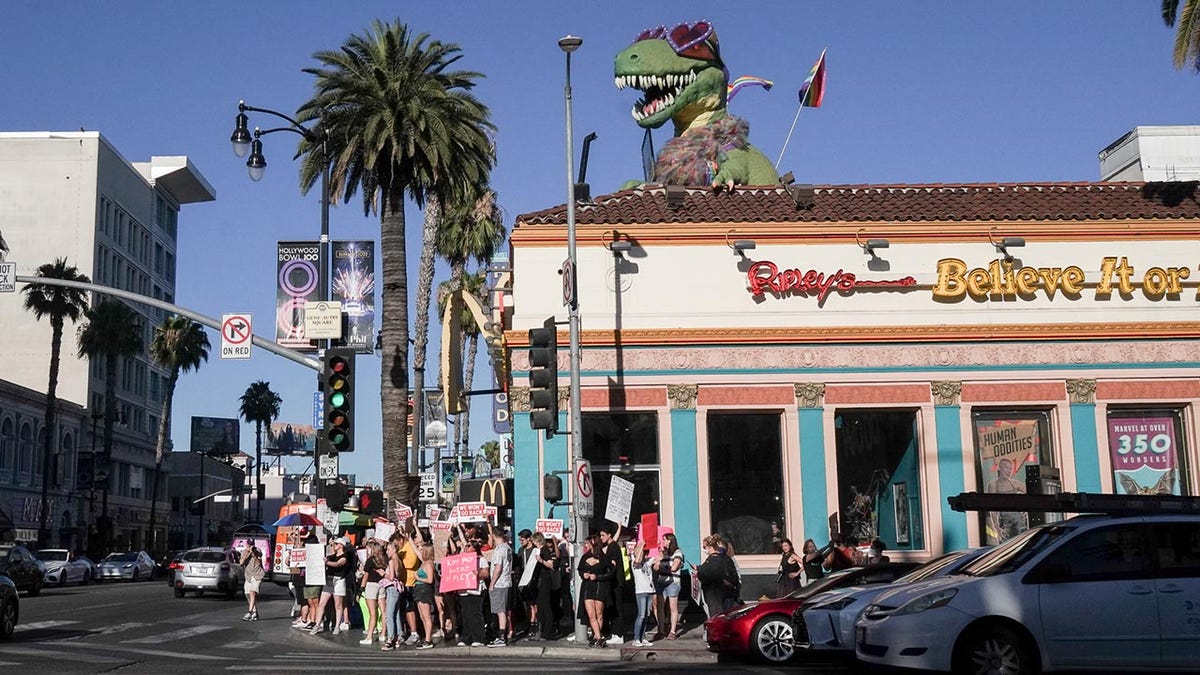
<point>684,80</point>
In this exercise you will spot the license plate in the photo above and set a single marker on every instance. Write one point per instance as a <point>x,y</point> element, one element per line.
<point>861,635</point>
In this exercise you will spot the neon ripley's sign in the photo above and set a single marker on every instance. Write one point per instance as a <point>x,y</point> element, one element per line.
<point>765,276</point>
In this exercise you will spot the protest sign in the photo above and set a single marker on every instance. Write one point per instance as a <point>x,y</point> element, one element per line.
<point>459,572</point>
<point>695,585</point>
<point>296,556</point>
<point>383,531</point>
<point>648,532</point>
<point>440,531</point>
<point>315,574</point>
<point>550,527</point>
<point>432,512</point>
<point>620,501</point>
<point>401,513</point>
<point>491,514</point>
<point>472,512</point>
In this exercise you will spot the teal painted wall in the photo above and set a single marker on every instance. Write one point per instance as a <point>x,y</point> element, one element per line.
<point>950,475</point>
<point>526,480</point>
<point>1087,447</point>
<point>685,473</point>
<point>906,472</point>
<point>812,478</point>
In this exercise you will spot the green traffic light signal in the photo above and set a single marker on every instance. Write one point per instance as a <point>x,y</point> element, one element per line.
<point>338,384</point>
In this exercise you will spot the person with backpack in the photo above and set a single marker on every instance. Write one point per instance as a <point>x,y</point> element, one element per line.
<point>718,577</point>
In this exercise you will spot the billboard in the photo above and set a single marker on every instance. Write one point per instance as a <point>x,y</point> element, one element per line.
<point>216,435</point>
<point>288,438</point>
<point>297,273</point>
<point>353,284</point>
<point>1145,455</point>
<point>1006,446</point>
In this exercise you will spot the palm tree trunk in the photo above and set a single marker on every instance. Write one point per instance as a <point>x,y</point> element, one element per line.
<point>468,381</point>
<point>110,397</point>
<point>164,424</point>
<point>257,469</point>
<point>56,328</point>
<point>394,381</point>
<point>425,268</point>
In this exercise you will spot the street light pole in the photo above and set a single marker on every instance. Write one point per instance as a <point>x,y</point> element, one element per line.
<point>242,142</point>
<point>569,44</point>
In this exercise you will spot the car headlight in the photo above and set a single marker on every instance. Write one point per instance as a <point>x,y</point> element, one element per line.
<point>928,601</point>
<point>837,605</point>
<point>737,614</point>
<point>127,566</point>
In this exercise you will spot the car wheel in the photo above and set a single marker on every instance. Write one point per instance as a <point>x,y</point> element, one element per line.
<point>994,650</point>
<point>8,620</point>
<point>179,592</point>
<point>36,587</point>
<point>135,576</point>
<point>87,579</point>
<point>771,640</point>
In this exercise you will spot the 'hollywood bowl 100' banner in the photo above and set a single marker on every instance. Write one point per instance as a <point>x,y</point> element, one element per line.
<point>298,277</point>
<point>1144,456</point>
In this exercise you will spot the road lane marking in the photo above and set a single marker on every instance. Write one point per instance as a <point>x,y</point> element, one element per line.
<point>117,628</point>
<point>145,652</point>
<point>40,625</point>
<point>175,635</point>
<point>246,644</point>
<point>83,658</point>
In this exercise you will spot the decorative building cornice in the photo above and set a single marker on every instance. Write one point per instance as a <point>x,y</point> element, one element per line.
<point>564,397</point>
<point>1081,390</point>
<point>810,394</point>
<point>518,399</point>
<point>682,396</point>
<point>945,393</point>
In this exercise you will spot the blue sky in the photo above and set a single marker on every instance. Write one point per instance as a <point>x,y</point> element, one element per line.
<point>916,93</point>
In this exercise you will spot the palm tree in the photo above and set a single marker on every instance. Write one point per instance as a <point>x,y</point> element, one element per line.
<point>399,122</point>
<point>1186,22</point>
<point>113,331</point>
<point>179,345</point>
<point>261,406</point>
<point>491,451</point>
<point>59,303</point>
<point>3,247</point>
<point>473,284</point>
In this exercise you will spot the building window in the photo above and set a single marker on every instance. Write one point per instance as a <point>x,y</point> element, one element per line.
<point>25,448</point>
<point>613,441</point>
<point>62,461</point>
<point>1148,450</point>
<point>1007,442</point>
<point>879,477</point>
<point>8,444</point>
<point>745,479</point>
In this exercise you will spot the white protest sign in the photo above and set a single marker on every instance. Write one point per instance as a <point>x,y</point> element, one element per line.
<point>383,531</point>
<point>491,513</point>
<point>620,501</point>
<point>432,512</point>
<point>401,512</point>
<point>315,574</point>
<point>549,527</point>
<point>472,511</point>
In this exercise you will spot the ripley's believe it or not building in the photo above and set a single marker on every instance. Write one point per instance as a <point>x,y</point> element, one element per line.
<point>819,377</point>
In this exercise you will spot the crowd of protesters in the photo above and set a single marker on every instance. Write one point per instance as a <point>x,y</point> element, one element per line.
<point>526,583</point>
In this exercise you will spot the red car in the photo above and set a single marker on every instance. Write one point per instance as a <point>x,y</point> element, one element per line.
<point>763,630</point>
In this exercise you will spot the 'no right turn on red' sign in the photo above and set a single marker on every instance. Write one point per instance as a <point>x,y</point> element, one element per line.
<point>235,336</point>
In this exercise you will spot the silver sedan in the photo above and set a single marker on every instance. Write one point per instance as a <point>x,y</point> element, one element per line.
<point>130,566</point>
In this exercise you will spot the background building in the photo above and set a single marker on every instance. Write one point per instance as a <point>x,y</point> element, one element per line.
<point>789,360</point>
<point>206,500</point>
<point>72,195</point>
<point>1153,154</point>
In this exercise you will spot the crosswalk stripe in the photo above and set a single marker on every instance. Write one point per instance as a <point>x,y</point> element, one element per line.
<point>244,644</point>
<point>108,630</point>
<point>175,635</point>
<point>41,654</point>
<point>146,652</point>
<point>39,625</point>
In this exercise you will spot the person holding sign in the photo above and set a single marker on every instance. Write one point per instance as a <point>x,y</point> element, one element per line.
<point>596,571</point>
<point>500,584</point>
<point>611,549</point>
<point>470,600</point>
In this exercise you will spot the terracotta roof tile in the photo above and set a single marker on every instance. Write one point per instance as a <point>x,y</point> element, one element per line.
<point>928,202</point>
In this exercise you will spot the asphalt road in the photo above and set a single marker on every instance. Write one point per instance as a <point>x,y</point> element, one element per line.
<point>142,628</point>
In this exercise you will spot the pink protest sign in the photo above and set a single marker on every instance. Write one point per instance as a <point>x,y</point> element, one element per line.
<point>549,527</point>
<point>460,572</point>
<point>472,511</point>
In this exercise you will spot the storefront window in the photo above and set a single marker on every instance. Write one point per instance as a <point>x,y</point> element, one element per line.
<point>1007,443</point>
<point>879,479</point>
<point>745,479</point>
<point>625,445</point>
<point>1148,449</point>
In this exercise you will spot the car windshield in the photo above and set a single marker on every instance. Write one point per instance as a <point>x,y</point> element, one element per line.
<point>50,556</point>
<point>931,568</point>
<point>831,580</point>
<point>128,556</point>
<point>1015,552</point>
<point>203,556</point>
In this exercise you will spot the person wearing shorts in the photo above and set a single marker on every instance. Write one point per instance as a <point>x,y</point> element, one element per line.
<point>251,562</point>
<point>337,564</point>
<point>374,570</point>
<point>500,584</point>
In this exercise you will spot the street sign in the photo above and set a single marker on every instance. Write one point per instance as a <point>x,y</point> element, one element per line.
<point>585,492</point>
<point>318,410</point>
<point>8,277</point>
<point>568,283</point>
<point>235,336</point>
<point>323,320</point>
<point>428,494</point>
<point>327,468</point>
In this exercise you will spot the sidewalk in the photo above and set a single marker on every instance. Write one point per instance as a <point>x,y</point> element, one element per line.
<point>689,648</point>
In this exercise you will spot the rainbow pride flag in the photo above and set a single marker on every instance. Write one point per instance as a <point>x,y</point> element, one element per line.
<point>746,81</point>
<point>812,92</point>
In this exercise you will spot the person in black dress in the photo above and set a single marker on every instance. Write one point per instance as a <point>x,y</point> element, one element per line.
<point>790,566</point>
<point>596,572</point>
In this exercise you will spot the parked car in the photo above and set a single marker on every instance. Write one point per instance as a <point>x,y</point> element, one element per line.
<point>162,564</point>
<point>22,568</point>
<point>763,630</point>
<point>209,569</point>
<point>826,621</point>
<point>64,567</point>
<point>10,607</point>
<point>1094,592</point>
<point>130,565</point>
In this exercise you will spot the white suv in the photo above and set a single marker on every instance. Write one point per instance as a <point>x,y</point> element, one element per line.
<point>1092,592</point>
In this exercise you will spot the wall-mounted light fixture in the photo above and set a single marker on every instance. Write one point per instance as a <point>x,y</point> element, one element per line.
<point>740,246</point>
<point>616,242</point>
<point>871,245</point>
<point>1003,244</point>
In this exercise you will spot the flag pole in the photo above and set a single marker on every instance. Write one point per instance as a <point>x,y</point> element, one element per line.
<point>789,135</point>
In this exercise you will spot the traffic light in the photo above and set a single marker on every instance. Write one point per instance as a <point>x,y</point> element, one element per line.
<point>336,494</point>
<point>371,502</point>
<point>543,377</point>
<point>337,382</point>
<point>552,488</point>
